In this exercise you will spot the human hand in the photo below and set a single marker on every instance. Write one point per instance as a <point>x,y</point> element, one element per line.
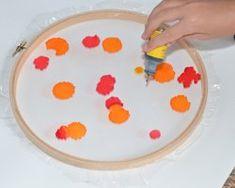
<point>199,19</point>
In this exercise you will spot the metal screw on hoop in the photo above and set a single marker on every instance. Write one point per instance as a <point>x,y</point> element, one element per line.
<point>19,48</point>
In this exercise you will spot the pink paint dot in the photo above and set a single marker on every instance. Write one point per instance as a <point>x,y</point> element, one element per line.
<point>155,134</point>
<point>61,133</point>
<point>108,79</point>
<point>91,41</point>
<point>112,101</point>
<point>106,85</point>
<point>41,62</point>
<point>104,89</point>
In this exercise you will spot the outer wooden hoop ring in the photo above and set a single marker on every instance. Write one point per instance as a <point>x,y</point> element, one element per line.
<point>104,165</point>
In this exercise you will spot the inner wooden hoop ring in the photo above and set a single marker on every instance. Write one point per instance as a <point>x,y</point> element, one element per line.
<point>104,165</point>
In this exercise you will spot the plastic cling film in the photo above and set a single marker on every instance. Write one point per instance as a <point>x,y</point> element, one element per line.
<point>159,52</point>
<point>123,178</point>
<point>139,177</point>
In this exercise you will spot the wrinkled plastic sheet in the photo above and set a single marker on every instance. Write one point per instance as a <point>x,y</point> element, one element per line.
<point>138,177</point>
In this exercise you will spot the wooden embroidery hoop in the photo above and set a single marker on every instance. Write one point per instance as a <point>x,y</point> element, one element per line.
<point>104,165</point>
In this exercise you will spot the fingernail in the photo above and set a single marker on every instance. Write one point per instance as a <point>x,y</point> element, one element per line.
<point>145,47</point>
<point>143,36</point>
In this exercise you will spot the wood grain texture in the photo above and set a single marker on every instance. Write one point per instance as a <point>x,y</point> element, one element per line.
<point>230,183</point>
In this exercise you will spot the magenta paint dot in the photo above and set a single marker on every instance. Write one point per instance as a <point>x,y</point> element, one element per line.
<point>155,134</point>
<point>112,101</point>
<point>91,41</point>
<point>41,62</point>
<point>106,85</point>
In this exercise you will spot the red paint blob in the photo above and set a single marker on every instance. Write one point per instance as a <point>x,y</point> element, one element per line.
<point>105,85</point>
<point>91,41</point>
<point>112,101</point>
<point>155,134</point>
<point>61,133</point>
<point>108,79</point>
<point>188,76</point>
<point>41,62</point>
<point>104,89</point>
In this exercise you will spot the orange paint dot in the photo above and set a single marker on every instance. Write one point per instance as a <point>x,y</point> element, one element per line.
<point>115,107</point>
<point>63,90</point>
<point>58,44</point>
<point>164,73</point>
<point>76,130</point>
<point>118,114</point>
<point>112,44</point>
<point>139,70</point>
<point>180,103</point>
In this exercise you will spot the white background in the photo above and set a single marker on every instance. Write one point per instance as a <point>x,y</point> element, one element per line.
<point>206,164</point>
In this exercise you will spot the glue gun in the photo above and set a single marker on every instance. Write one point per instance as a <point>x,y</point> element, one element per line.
<point>154,57</point>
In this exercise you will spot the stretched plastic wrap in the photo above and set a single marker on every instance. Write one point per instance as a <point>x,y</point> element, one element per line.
<point>138,177</point>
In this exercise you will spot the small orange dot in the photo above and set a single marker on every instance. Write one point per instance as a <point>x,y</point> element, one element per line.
<point>139,70</point>
<point>112,44</point>
<point>63,90</point>
<point>180,103</point>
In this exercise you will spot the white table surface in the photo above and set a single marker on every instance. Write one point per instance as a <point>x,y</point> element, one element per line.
<point>206,164</point>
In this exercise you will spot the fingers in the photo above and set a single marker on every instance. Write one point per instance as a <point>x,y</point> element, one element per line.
<point>200,36</point>
<point>165,4</point>
<point>155,11</point>
<point>167,15</point>
<point>169,36</point>
<point>158,8</point>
